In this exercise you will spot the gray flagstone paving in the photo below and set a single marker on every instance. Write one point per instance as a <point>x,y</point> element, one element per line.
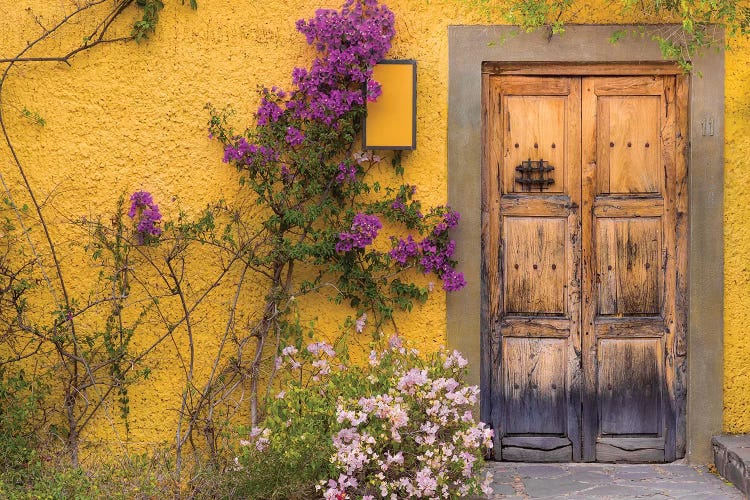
<point>608,481</point>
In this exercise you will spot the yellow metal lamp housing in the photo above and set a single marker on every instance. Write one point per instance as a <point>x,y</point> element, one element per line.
<point>391,121</point>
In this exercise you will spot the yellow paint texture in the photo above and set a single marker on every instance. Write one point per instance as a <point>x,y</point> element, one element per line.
<point>737,241</point>
<point>125,117</point>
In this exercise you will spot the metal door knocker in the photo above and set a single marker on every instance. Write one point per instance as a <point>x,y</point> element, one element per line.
<point>535,174</point>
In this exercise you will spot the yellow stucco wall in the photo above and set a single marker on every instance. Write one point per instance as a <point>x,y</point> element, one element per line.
<point>128,117</point>
<point>737,242</point>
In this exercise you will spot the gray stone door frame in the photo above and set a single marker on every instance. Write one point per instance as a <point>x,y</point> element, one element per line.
<point>469,47</point>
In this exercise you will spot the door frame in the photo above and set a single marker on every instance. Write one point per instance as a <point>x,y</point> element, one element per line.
<point>467,315</point>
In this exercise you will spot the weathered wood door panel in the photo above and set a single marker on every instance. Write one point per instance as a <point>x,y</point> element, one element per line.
<point>633,271</point>
<point>585,215</point>
<point>536,266</point>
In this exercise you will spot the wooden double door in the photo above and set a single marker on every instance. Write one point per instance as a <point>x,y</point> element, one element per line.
<point>585,230</point>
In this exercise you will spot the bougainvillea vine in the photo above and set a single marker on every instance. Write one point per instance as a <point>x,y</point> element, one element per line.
<point>301,162</point>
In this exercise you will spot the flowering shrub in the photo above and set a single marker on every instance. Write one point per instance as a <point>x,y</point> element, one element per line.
<point>399,427</point>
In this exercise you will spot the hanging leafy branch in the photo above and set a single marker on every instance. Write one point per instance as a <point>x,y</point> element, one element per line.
<point>694,27</point>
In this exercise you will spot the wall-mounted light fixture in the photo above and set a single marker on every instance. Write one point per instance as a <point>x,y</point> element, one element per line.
<point>391,121</point>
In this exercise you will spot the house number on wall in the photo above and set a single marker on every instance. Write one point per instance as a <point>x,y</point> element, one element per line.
<point>534,174</point>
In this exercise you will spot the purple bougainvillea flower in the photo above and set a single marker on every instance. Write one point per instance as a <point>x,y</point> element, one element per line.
<point>294,136</point>
<point>347,173</point>
<point>404,250</point>
<point>145,214</point>
<point>139,199</point>
<point>453,281</point>
<point>363,232</point>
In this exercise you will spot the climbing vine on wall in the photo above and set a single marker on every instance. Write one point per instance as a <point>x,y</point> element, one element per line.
<point>317,216</point>
<point>90,362</point>
<point>323,217</point>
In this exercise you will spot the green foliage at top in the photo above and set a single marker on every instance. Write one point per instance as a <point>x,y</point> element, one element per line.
<point>696,23</point>
<point>147,24</point>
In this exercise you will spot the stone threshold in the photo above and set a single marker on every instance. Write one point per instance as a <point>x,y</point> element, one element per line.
<point>732,459</point>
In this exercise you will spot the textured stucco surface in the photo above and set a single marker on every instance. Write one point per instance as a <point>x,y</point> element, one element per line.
<point>128,117</point>
<point>737,242</point>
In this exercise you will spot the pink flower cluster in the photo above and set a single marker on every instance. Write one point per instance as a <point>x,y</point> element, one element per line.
<point>400,427</point>
<point>417,440</point>
<point>320,353</point>
<point>259,438</point>
<point>367,157</point>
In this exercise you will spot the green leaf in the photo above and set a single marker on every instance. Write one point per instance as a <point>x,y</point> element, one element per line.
<point>617,35</point>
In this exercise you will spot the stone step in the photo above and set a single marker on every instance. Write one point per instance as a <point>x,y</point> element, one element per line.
<point>732,459</point>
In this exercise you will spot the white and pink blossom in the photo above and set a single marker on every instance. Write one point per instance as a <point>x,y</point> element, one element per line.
<point>359,325</point>
<point>416,438</point>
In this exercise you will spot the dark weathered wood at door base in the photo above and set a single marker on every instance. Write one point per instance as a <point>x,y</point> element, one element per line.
<point>537,449</point>
<point>630,450</point>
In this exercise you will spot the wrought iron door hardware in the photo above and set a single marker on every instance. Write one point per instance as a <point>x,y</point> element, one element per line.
<point>535,174</point>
